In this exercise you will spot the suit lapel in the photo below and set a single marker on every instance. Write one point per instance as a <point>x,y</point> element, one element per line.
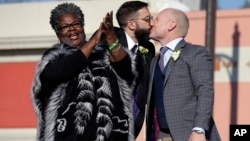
<point>169,70</point>
<point>153,64</point>
<point>171,62</point>
<point>152,68</point>
<point>151,78</point>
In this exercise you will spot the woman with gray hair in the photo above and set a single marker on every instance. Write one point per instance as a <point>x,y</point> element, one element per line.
<point>82,89</point>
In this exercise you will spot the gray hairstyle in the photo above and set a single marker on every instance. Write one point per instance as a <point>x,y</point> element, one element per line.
<point>62,9</point>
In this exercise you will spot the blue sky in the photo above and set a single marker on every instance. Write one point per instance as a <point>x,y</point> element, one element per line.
<point>230,4</point>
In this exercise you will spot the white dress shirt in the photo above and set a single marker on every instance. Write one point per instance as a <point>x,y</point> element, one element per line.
<point>171,46</point>
<point>130,42</point>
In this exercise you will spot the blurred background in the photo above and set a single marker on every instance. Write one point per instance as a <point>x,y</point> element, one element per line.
<point>25,33</point>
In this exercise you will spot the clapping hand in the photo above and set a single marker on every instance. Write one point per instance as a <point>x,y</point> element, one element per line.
<point>107,28</point>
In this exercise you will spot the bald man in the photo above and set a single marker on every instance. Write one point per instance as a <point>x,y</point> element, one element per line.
<point>181,91</point>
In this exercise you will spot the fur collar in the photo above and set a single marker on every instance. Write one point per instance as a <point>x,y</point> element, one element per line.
<point>46,119</point>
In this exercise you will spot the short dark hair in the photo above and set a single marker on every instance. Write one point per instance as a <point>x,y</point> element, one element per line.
<point>62,9</point>
<point>127,9</point>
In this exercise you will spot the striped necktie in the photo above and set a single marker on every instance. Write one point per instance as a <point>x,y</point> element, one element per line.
<point>163,50</point>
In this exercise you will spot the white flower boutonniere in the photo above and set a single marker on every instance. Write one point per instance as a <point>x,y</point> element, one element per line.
<point>144,51</point>
<point>176,54</point>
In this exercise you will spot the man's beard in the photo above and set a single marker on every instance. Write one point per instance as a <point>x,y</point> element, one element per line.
<point>142,35</point>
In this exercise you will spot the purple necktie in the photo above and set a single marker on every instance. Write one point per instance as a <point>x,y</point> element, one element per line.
<point>163,50</point>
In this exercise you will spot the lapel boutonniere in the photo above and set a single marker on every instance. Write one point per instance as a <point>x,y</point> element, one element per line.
<point>176,54</point>
<point>144,52</point>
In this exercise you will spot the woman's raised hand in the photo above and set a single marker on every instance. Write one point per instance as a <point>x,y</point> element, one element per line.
<point>108,28</point>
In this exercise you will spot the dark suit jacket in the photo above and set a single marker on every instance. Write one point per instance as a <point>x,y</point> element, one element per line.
<point>187,93</point>
<point>142,67</point>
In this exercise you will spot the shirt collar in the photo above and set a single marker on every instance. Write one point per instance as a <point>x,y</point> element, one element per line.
<point>173,43</point>
<point>130,42</point>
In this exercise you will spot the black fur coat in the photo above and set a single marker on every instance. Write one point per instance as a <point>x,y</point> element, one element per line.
<point>93,104</point>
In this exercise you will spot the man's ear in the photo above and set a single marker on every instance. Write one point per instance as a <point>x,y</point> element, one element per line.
<point>131,25</point>
<point>171,26</point>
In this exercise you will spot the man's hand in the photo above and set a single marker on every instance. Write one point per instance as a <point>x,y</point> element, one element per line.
<point>197,137</point>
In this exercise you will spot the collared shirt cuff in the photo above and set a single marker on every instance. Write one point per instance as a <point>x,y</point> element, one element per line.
<point>198,128</point>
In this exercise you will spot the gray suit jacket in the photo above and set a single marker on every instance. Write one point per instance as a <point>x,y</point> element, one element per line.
<point>188,93</point>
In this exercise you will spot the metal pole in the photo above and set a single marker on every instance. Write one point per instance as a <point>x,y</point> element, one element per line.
<point>210,27</point>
